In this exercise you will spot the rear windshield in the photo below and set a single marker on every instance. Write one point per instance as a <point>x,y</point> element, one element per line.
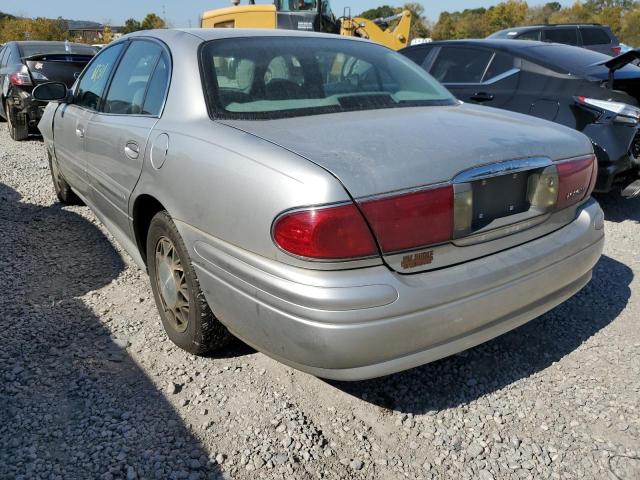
<point>29,50</point>
<point>575,60</point>
<point>276,77</point>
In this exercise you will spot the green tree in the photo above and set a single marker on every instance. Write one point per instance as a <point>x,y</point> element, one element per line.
<point>131,25</point>
<point>379,12</point>
<point>152,21</point>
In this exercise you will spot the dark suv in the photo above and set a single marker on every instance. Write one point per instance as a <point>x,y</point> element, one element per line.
<point>592,36</point>
<point>26,64</point>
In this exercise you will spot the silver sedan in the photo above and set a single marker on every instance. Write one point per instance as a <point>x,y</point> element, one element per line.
<point>322,198</point>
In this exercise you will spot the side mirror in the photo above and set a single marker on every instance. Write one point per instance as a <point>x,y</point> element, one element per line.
<point>51,92</point>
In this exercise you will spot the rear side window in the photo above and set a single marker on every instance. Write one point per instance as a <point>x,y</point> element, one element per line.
<point>500,64</point>
<point>530,35</point>
<point>93,81</point>
<point>594,36</point>
<point>129,85</point>
<point>568,36</point>
<point>461,65</point>
<point>157,88</point>
<point>4,52</point>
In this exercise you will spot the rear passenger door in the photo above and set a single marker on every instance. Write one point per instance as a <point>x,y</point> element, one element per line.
<point>476,75</point>
<point>117,135</point>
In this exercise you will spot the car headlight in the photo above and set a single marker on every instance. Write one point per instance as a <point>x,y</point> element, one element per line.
<point>624,113</point>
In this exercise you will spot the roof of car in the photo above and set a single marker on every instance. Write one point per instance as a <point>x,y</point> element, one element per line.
<point>47,42</point>
<point>542,25</point>
<point>219,33</point>
<point>497,43</point>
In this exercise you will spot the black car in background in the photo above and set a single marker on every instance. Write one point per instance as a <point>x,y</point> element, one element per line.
<point>591,36</point>
<point>591,92</point>
<point>23,66</point>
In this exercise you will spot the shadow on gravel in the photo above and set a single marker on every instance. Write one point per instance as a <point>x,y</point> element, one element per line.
<point>618,209</point>
<point>460,379</point>
<point>73,404</point>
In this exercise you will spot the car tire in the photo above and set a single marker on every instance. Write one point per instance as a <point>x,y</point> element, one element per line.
<point>61,187</point>
<point>186,316</point>
<point>18,130</point>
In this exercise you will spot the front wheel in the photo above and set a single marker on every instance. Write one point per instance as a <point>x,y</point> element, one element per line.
<point>18,127</point>
<point>185,314</point>
<point>62,188</point>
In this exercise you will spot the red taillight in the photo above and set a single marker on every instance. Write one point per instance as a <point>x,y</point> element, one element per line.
<point>411,220</point>
<point>20,78</point>
<point>325,233</point>
<point>616,50</point>
<point>576,180</point>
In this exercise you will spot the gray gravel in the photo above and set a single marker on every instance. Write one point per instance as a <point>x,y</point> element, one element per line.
<point>91,388</point>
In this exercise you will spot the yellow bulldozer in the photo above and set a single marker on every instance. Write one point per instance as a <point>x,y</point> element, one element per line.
<point>311,15</point>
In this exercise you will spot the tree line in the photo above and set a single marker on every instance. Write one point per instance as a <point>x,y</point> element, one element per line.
<point>19,28</point>
<point>623,16</point>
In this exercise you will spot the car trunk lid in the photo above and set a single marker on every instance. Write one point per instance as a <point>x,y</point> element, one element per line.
<point>620,75</point>
<point>425,159</point>
<point>56,67</point>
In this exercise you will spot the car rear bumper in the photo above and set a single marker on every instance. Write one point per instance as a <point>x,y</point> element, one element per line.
<point>357,324</point>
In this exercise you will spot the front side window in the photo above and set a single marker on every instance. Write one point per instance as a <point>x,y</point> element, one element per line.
<point>461,65</point>
<point>129,85</point>
<point>568,36</point>
<point>275,77</point>
<point>94,79</point>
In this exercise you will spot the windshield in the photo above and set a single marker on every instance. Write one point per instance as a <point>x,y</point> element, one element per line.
<point>30,49</point>
<point>297,5</point>
<point>275,77</point>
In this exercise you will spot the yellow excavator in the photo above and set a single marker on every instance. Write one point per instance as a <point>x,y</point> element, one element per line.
<point>311,15</point>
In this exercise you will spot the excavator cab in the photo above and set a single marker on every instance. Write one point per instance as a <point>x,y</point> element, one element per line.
<point>312,16</point>
<point>309,15</point>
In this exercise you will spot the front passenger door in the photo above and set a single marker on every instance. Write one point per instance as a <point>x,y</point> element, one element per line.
<point>71,120</point>
<point>116,139</point>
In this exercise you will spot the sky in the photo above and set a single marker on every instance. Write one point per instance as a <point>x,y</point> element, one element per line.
<point>184,13</point>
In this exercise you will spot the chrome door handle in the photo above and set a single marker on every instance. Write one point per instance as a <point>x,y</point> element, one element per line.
<point>80,132</point>
<point>132,150</point>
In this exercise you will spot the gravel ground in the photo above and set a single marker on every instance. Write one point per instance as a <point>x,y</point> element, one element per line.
<point>91,388</point>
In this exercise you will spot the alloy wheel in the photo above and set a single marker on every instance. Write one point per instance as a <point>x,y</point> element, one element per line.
<point>172,284</point>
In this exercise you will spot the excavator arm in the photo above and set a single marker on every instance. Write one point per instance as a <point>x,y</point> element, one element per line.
<point>378,30</point>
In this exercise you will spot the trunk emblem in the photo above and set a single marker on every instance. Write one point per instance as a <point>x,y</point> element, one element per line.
<point>417,259</point>
<point>38,66</point>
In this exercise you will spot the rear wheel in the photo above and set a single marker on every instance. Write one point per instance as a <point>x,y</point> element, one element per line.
<point>62,188</point>
<point>18,127</point>
<point>185,314</point>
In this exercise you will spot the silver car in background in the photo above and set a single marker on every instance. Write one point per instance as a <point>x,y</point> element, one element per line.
<point>322,198</point>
